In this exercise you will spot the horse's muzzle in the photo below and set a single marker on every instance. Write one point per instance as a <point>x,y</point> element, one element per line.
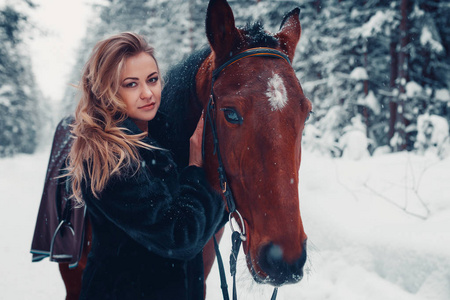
<point>278,271</point>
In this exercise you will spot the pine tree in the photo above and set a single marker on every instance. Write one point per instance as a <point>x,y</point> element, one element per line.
<point>395,54</point>
<point>21,114</point>
<point>423,68</point>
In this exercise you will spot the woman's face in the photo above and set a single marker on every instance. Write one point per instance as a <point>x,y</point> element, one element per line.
<point>140,88</point>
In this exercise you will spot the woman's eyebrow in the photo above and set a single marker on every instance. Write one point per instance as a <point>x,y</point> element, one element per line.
<point>136,78</point>
<point>132,78</point>
<point>150,75</point>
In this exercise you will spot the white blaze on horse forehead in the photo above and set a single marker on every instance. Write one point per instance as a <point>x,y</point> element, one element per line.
<point>276,92</point>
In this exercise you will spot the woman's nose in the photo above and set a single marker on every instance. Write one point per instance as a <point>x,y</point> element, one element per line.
<point>146,92</point>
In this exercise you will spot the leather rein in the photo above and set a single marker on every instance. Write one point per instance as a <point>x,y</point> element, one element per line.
<point>239,235</point>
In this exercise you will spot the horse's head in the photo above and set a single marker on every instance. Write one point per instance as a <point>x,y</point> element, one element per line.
<point>260,111</point>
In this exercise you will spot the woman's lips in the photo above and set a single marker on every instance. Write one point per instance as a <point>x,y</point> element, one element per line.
<point>149,106</point>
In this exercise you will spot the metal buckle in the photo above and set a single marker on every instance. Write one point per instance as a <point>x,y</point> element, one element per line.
<point>240,231</point>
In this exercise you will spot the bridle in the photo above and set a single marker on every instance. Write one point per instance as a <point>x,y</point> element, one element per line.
<point>238,236</point>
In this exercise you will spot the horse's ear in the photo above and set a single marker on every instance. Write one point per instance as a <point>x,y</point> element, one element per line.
<point>290,32</point>
<point>220,28</point>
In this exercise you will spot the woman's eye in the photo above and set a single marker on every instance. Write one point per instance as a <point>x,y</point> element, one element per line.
<point>130,85</point>
<point>153,79</point>
<point>232,116</point>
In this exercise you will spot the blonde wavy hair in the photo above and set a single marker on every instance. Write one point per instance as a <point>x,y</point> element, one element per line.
<point>101,148</point>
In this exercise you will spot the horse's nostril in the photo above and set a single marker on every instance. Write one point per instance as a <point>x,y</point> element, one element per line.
<point>277,269</point>
<point>275,253</point>
<point>271,259</point>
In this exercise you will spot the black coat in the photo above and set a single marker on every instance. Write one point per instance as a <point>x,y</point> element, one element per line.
<point>149,229</point>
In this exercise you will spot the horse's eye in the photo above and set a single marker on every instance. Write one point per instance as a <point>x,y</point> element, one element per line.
<point>232,116</point>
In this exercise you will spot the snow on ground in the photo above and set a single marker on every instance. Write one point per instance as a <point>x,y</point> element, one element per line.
<point>378,228</point>
<point>21,183</point>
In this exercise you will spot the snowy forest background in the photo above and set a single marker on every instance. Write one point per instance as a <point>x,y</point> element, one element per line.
<point>377,72</point>
<point>375,198</point>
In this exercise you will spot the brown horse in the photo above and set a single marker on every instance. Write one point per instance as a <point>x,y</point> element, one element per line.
<point>257,111</point>
<point>260,111</point>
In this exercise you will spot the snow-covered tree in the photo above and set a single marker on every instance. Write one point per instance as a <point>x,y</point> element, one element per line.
<point>382,62</point>
<point>433,135</point>
<point>21,113</point>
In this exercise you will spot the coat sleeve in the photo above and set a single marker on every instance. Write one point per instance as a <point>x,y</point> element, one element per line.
<point>174,226</point>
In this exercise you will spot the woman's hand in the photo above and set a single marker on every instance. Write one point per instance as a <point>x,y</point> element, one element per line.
<point>195,153</point>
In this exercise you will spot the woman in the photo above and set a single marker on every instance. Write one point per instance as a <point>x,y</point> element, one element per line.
<point>149,223</point>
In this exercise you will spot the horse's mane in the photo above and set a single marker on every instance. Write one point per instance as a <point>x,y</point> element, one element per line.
<point>180,84</point>
<point>256,36</point>
<point>172,126</point>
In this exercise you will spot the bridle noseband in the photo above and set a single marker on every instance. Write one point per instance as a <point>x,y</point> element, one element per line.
<point>237,235</point>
